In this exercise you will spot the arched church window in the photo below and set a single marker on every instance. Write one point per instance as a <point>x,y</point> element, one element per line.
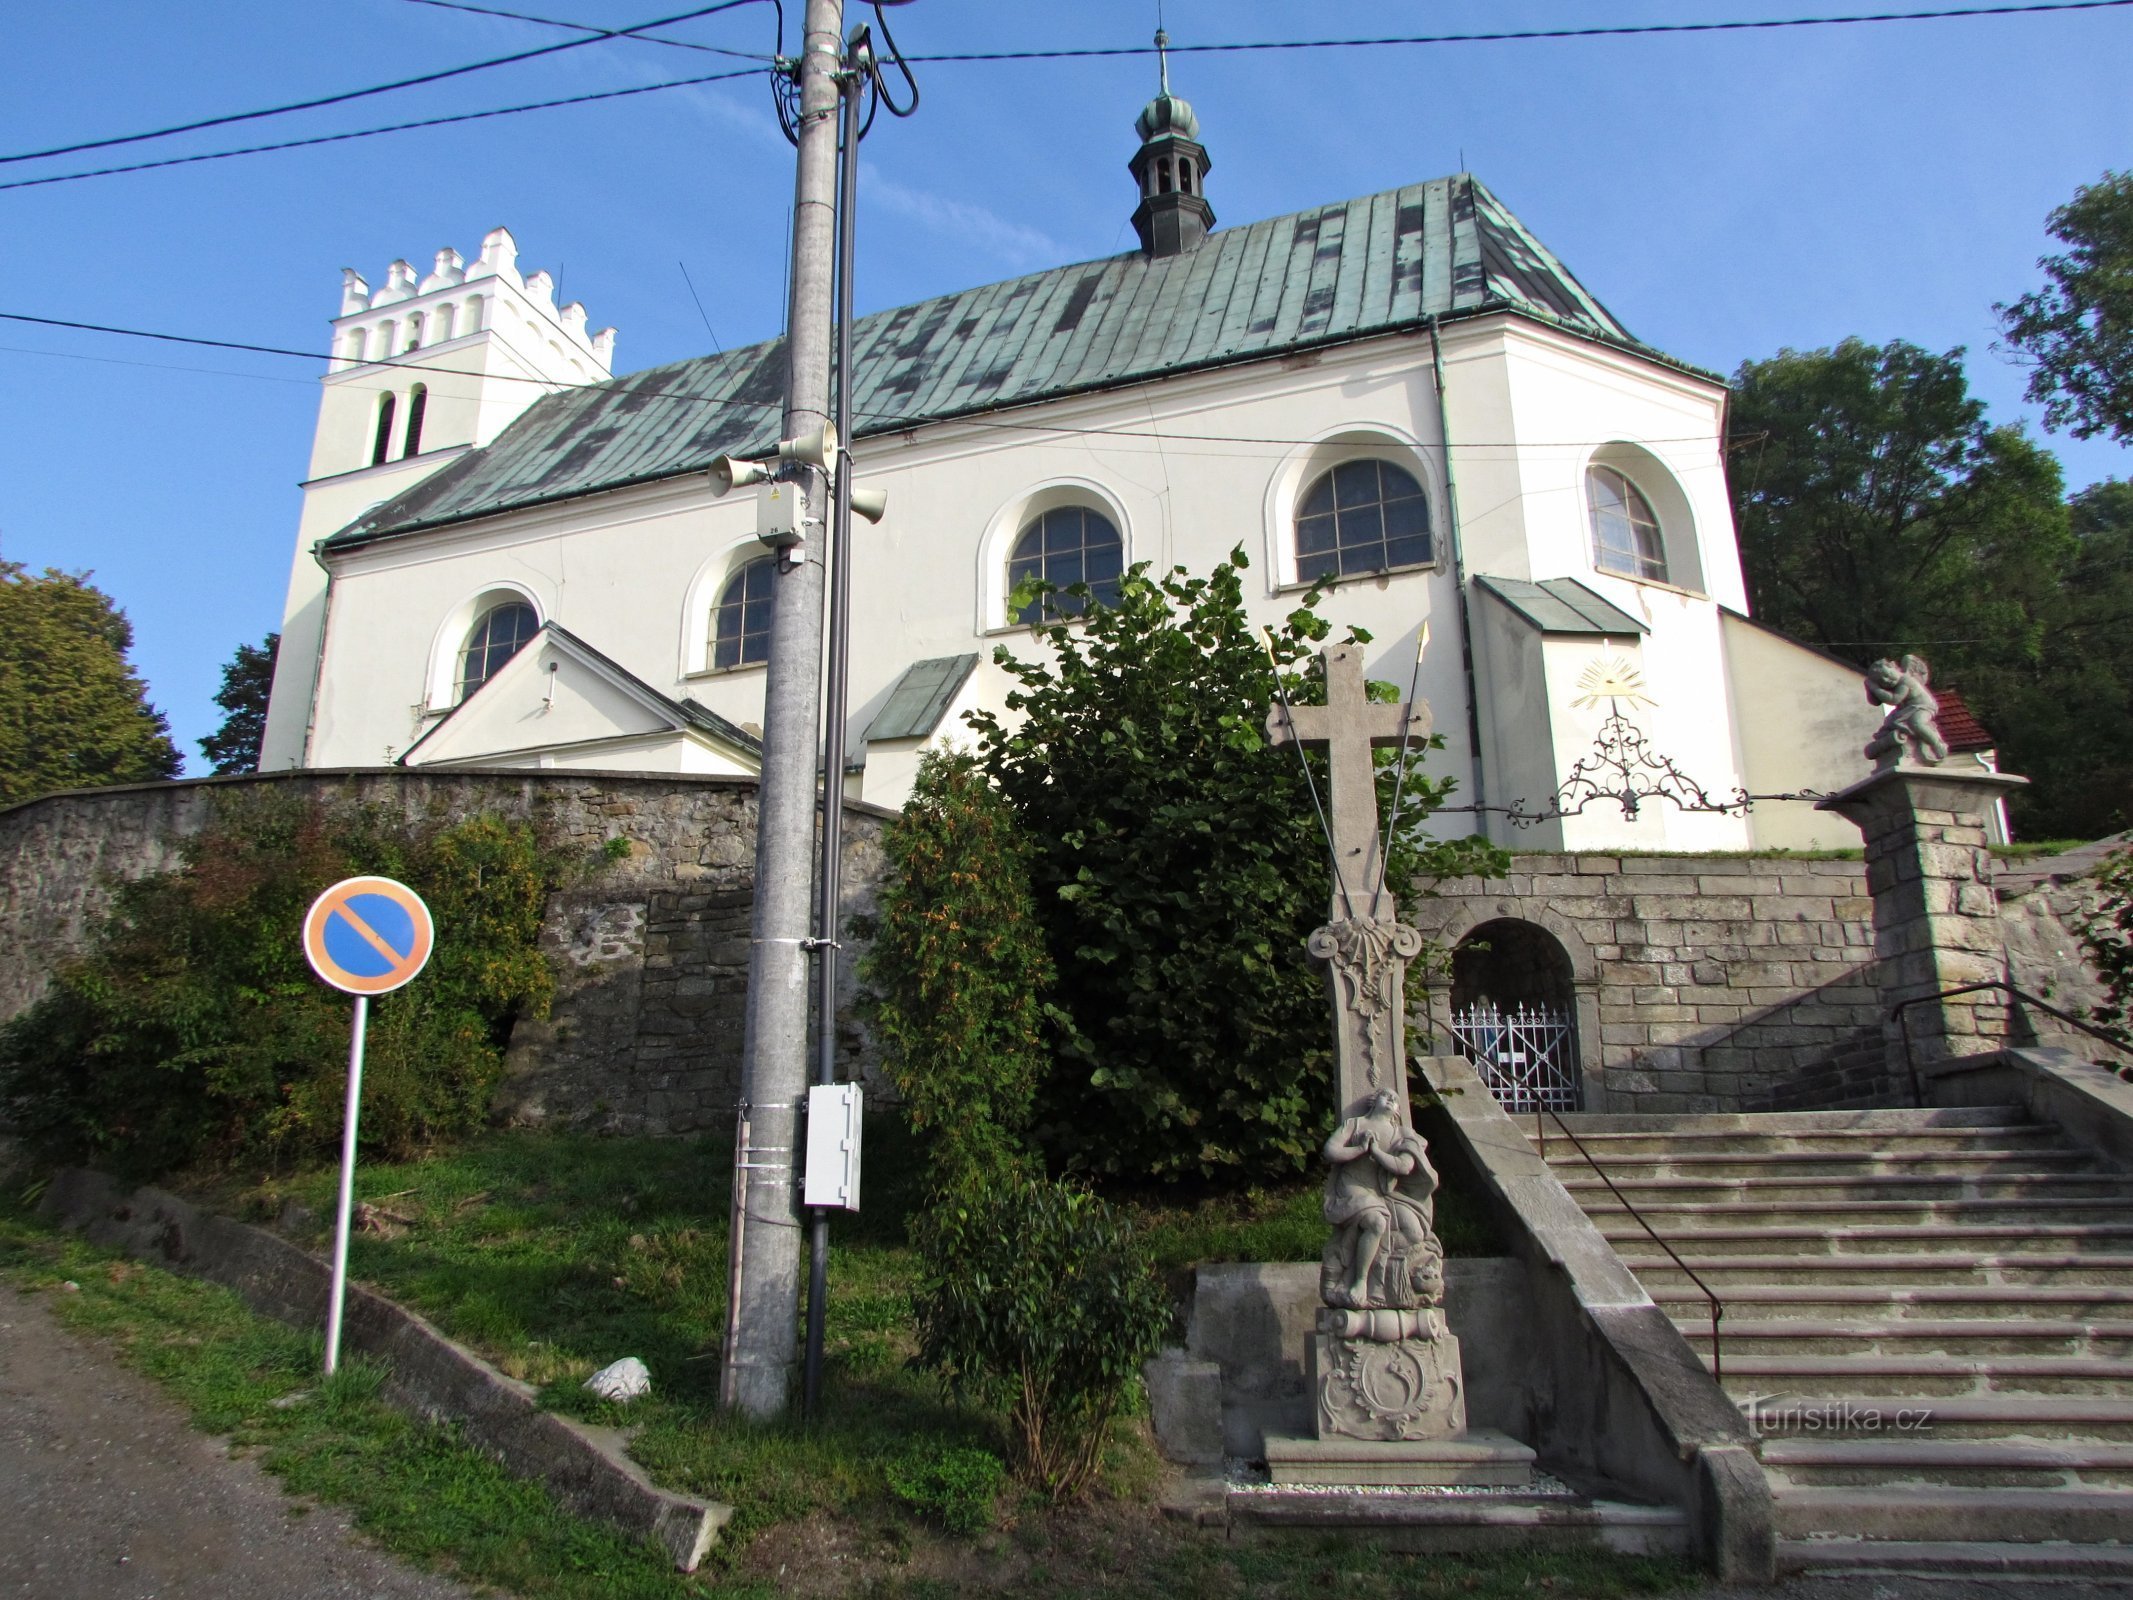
<point>1625,532</point>
<point>1065,546</point>
<point>1363,516</point>
<point>500,633</point>
<point>382,445</point>
<point>740,627</point>
<point>418,400</point>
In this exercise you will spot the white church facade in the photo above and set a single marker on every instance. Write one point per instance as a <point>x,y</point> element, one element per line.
<point>508,558</point>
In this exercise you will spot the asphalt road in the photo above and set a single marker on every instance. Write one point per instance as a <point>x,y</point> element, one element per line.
<point>107,1493</point>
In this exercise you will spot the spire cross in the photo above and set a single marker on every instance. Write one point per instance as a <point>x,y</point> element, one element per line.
<point>1349,725</point>
<point>1162,56</point>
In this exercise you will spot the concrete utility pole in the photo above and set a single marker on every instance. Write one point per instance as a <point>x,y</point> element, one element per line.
<point>762,1324</point>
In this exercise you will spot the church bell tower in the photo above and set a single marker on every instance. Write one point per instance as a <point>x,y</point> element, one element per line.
<point>1171,169</point>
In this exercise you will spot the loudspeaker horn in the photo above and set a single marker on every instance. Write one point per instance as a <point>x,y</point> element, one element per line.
<point>817,449</point>
<point>873,504</point>
<point>728,474</point>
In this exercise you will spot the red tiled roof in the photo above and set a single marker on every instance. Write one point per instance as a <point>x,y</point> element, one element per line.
<point>1958,726</point>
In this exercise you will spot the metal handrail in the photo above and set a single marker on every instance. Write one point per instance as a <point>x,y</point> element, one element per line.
<point>1901,1012</point>
<point>1718,1306</point>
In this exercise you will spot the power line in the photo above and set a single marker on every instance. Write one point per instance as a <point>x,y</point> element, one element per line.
<point>375,89</point>
<point>887,421</point>
<point>586,27</point>
<point>975,56</point>
<point>372,133</point>
<point>1616,31</point>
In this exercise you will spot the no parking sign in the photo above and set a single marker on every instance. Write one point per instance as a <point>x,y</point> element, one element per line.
<point>364,936</point>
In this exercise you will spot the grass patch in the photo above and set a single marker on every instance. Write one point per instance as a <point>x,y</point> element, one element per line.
<point>555,1253</point>
<point>416,1488</point>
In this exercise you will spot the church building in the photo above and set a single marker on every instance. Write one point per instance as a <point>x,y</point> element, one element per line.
<point>509,557</point>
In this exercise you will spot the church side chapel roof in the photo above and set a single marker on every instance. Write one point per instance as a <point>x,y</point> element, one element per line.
<point>1380,264</point>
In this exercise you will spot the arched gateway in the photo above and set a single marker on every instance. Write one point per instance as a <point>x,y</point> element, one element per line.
<point>1514,1014</point>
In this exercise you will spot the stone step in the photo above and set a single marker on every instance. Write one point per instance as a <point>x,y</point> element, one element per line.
<point>2061,1269</point>
<point>1754,1372</point>
<point>1447,1522</point>
<point>1900,1119</point>
<point>2038,1418</point>
<point>1976,1337</point>
<point>1886,1461</point>
<point>1950,1558</point>
<point>2080,1516</point>
<point>1604,1149</point>
<point>1722,1238</point>
<point>1666,1215</point>
<point>1919,1188</point>
<point>1861,1163</point>
<point>1892,1302</point>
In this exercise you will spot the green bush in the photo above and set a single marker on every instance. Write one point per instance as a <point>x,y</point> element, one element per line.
<point>1179,866</point>
<point>1039,1298</point>
<point>957,966</point>
<point>2108,933</point>
<point>957,1485</point>
<point>194,1031</point>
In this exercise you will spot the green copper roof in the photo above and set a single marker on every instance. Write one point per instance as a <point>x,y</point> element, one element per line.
<point>1380,264</point>
<point>921,695</point>
<point>1562,605</point>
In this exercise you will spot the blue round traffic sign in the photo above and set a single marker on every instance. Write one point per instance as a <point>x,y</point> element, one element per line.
<point>368,935</point>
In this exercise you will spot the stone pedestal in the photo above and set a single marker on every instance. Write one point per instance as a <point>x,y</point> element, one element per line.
<point>1936,918</point>
<point>1483,1458</point>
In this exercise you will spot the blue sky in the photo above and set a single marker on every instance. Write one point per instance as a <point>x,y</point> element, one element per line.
<point>1726,195</point>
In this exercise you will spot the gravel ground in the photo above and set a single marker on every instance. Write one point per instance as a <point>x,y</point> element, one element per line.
<point>107,1493</point>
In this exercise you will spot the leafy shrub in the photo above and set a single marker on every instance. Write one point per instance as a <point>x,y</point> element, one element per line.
<point>193,1030</point>
<point>2108,933</point>
<point>957,1486</point>
<point>1179,865</point>
<point>1039,1297</point>
<point>957,966</point>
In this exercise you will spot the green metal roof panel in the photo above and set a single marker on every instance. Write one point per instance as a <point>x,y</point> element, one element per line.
<point>1379,264</point>
<point>1563,605</point>
<point>920,698</point>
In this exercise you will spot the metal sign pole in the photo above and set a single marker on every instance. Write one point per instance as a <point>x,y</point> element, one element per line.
<point>348,1173</point>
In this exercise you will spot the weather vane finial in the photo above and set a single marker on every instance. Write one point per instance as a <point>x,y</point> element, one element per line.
<point>1162,55</point>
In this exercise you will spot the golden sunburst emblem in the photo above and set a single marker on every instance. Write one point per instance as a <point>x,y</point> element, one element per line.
<point>1612,679</point>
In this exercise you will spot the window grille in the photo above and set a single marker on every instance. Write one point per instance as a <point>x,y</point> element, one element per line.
<point>1363,516</point>
<point>501,633</point>
<point>740,628</point>
<point>1625,533</point>
<point>1066,546</point>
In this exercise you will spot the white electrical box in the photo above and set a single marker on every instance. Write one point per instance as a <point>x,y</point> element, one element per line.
<point>777,513</point>
<point>833,1146</point>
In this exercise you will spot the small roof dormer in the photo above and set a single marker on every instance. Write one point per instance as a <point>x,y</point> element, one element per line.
<point>1171,169</point>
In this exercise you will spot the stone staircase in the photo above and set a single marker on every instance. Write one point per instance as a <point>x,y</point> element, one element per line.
<point>1928,1319</point>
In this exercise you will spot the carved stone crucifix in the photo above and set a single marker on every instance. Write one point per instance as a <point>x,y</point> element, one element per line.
<point>1365,946</point>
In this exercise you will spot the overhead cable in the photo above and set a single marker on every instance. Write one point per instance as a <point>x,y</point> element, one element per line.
<point>1605,31</point>
<point>375,89</point>
<point>586,27</point>
<point>372,133</point>
<point>885,421</point>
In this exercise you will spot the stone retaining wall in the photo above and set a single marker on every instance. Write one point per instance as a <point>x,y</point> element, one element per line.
<point>1702,983</point>
<point>650,949</point>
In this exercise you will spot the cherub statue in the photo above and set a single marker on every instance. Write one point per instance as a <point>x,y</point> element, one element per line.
<point>1383,1252</point>
<point>1910,724</point>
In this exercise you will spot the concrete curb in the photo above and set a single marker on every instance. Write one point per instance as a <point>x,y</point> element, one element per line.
<point>584,1467</point>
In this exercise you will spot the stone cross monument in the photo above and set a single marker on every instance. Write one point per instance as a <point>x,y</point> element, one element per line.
<point>1391,1397</point>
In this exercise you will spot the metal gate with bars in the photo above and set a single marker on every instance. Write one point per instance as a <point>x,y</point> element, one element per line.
<point>1527,1056</point>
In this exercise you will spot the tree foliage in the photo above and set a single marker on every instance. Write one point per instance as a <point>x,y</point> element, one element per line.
<point>1178,867</point>
<point>958,970</point>
<point>2108,934</point>
<point>73,712</point>
<point>247,681</point>
<point>193,1031</point>
<point>1878,511</point>
<point>2078,329</point>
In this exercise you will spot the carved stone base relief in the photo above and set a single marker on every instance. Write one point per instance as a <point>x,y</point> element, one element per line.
<point>1403,1389</point>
